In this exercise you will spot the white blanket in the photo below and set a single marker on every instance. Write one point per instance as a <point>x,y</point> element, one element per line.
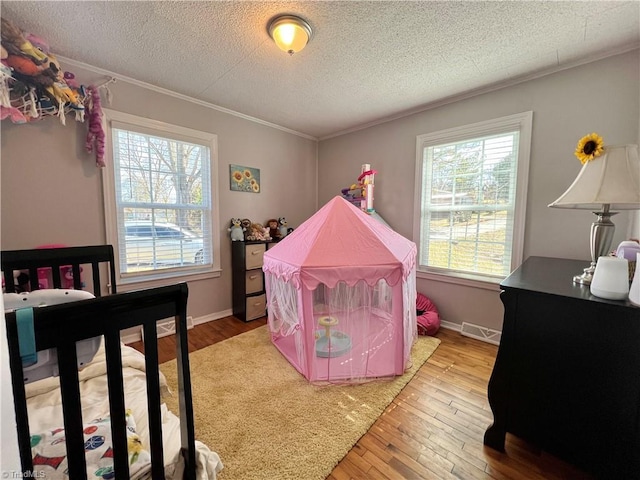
<point>45,411</point>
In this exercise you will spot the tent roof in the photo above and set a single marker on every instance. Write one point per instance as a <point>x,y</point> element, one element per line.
<point>341,243</point>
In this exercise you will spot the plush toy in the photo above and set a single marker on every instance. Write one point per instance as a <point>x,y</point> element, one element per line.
<point>236,230</point>
<point>12,114</point>
<point>245,223</point>
<point>95,135</point>
<point>258,233</point>
<point>70,78</point>
<point>24,96</point>
<point>38,42</point>
<point>62,93</point>
<point>16,44</point>
<point>251,235</point>
<point>273,228</point>
<point>282,227</point>
<point>25,66</point>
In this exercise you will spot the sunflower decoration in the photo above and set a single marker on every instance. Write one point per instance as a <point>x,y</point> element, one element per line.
<point>238,177</point>
<point>589,147</point>
<point>244,179</point>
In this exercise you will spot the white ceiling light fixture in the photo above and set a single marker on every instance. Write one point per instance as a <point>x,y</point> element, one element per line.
<point>290,33</point>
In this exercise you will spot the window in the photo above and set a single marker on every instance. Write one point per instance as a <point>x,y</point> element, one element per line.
<point>471,187</point>
<point>160,197</point>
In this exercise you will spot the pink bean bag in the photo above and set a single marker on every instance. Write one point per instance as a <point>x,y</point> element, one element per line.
<point>428,317</point>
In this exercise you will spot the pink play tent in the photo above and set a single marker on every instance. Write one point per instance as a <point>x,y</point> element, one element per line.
<point>341,296</point>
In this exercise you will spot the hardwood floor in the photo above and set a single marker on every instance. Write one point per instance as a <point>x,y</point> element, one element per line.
<point>202,336</point>
<point>435,426</point>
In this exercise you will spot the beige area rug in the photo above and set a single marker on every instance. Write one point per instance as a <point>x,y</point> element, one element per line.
<point>266,421</point>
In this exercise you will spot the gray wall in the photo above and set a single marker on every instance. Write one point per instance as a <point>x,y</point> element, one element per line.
<point>599,97</point>
<point>51,190</point>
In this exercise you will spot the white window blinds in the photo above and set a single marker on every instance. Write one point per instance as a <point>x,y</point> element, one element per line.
<point>163,201</point>
<point>469,200</point>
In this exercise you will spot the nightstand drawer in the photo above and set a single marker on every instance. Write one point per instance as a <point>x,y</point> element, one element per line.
<point>256,307</point>
<point>253,281</point>
<point>254,255</point>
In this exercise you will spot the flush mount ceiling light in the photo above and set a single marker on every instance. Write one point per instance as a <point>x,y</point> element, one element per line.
<point>290,33</point>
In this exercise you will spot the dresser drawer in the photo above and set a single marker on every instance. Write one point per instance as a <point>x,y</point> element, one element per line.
<point>256,307</point>
<point>253,281</point>
<point>254,254</point>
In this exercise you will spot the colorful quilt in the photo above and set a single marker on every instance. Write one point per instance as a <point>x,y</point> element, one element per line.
<point>50,456</point>
<point>45,417</point>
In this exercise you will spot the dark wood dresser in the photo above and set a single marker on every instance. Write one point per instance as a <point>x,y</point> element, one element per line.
<point>567,373</point>
<point>249,295</point>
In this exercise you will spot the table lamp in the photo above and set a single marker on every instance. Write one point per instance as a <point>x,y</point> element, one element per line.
<point>609,179</point>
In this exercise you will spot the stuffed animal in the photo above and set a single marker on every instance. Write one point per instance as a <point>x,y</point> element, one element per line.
<point>70,78</point>
<point>236,230</point>
<point>252,233</point>
<point>15,43</point>
<point>245,223</point>
<point>273,228</point>
<point>62,94</point>
<point>12,114</point>
<point>258,233</point>
<point>282,227</point>
<point>38,42</point>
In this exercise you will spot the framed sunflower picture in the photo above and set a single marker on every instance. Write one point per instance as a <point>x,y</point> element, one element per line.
<point>244,179</point>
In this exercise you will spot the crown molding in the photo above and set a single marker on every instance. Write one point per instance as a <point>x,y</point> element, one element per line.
<point>487,89</point>
<point>171,93</point>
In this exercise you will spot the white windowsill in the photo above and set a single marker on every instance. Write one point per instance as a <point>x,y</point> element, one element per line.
<point>460,279</point>
<point>126,284</point>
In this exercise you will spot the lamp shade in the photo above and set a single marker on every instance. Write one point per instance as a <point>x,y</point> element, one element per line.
<point>290,33</point>
<point>612,178</point>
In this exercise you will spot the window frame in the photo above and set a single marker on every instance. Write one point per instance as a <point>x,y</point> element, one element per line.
<point>161,129</point>
<point>523,122</point>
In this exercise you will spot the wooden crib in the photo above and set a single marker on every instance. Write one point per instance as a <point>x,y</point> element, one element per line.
<point>59,327</point>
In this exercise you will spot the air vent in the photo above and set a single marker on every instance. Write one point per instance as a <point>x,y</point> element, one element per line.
<point>481,333</point>
<point>168,327</point>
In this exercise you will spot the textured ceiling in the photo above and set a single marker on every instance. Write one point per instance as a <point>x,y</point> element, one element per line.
<point>367,61</point>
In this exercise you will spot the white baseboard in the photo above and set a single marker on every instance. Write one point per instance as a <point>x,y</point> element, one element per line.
<point>131,338</point>
<point>167,327</point>
<point>456,327</point>
<point>212,316</point>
